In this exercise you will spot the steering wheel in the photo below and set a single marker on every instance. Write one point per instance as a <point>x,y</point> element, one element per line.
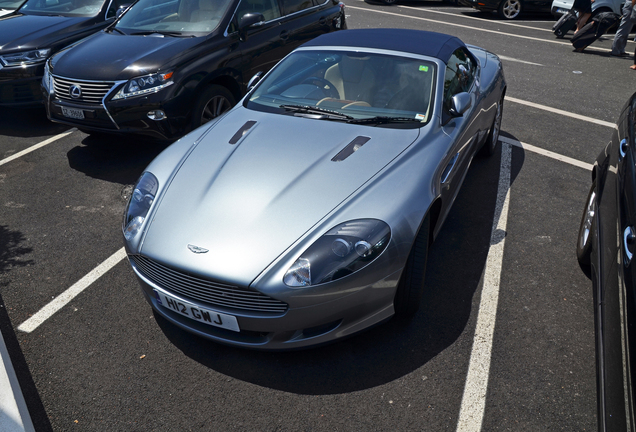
<point>326,86</point>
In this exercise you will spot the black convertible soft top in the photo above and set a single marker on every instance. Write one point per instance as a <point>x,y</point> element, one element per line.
<point>421,42</point>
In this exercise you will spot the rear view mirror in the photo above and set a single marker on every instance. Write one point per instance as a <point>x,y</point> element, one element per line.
<point>247,21</point>
<point>255,79</point>
<point>461,103</point>
<point>121,10</point>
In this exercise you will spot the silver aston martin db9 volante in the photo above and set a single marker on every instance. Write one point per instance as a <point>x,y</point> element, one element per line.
<point>305,214</point>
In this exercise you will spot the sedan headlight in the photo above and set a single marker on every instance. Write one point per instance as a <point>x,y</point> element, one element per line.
<point>142,198</point>
<point>25,57</point>
<point>144,85</point>
<point>343,250</point>
<point>46,79</point>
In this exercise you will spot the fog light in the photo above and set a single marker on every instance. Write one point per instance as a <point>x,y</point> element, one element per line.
<point>156,115</point>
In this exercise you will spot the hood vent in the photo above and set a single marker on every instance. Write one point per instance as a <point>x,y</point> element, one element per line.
<point>242,131</point>
<point>351,148</point>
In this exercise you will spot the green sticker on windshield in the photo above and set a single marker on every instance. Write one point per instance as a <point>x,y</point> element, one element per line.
<point>423,68</point>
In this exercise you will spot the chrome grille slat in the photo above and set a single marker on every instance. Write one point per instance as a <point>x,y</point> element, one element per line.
<point>92,91</point>
<point>206,291</point>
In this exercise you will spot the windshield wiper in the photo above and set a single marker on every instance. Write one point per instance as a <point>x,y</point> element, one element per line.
<point>161,32</point>
<point>384,120</point>
<point>307,109</point>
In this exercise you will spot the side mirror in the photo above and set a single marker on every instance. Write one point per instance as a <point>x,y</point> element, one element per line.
<point>121,10</point>
<point>249,20</point>
<point>255,79</point>
<point>461,103</point>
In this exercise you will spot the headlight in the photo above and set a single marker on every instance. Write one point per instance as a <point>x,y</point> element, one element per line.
<point>46,79</point>
<point>145,84</point>
<point>25,57</point>
<point>343,250</point>
<point>142,198</point>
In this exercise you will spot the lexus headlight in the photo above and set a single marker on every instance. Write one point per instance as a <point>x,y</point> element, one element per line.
<point>343,250</point>
<point>144,85</point>
<point>25,57</point>
<point>142,198</point>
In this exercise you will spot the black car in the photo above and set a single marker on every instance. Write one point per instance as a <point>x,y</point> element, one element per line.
<point>39,28</point>
<point>168,66</point>
<point>605,250</point>
<point>509,9</point>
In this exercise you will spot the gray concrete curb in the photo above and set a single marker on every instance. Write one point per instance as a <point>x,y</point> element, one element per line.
<point>14,415</point>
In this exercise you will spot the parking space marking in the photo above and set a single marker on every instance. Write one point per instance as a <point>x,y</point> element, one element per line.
<point>475,28</point>
<point>548,153</point>
<point>562,112</point>
<point>36,146</point>
<point>519,61</point>
<point>63,299</point>
<point>471,413</point>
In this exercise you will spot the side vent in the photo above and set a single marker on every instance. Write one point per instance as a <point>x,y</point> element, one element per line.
<point>239,134</point>
<point>351,148</point>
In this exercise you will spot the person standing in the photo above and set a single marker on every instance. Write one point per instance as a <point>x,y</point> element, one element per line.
<point>584,8</point>
<point>622,34</point>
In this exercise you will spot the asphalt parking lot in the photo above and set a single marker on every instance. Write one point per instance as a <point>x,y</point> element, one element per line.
<point>503,341</point>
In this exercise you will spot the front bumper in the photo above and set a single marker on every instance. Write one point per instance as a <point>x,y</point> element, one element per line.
<point>313,321</point>
<point>20,86</point>
<point>122,116</point>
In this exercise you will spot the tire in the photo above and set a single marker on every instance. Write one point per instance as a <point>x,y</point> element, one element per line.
<point>408,295</point>
<point>389,2</point>
<point>490,146</point>
<point>214,101</point>
<point>510,9</point>
<point>586,230</point>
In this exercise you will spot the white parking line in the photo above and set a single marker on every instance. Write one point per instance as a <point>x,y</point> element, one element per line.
<point>561,112</point>
<point>518,60</point>
<point>473,405</point>
<point>63,299</point>
<point>547,153</point>
<point>36,146</point>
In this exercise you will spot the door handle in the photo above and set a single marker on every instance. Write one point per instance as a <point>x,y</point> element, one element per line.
<point>322,21</point>
<point>449,168</point>
<point>284,34</point>
<point>629,238</point>
<point>623,148</point>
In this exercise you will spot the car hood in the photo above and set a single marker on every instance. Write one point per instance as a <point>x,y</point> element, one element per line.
<point>112,56</point>
<point>20,32</point>
<point>247,203</point>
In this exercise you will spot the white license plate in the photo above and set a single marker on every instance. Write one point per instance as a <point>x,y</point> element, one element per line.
<point>562,11</point>
<point>197,313</point>
<point>73,113</point>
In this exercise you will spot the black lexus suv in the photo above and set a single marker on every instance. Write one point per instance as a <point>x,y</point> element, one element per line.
<point>168,66</point>
<point>37,29</point>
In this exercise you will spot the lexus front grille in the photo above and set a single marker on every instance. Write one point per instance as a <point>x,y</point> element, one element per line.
<point>89,92</point>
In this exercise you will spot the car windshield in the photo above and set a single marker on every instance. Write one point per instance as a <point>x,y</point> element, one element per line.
<point>355,87</point>
<point>62,7</point>
<point>173,17</point>
<point>10,4</point>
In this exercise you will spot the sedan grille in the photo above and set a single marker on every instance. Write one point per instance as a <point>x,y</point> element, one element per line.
<point>207,291</point>
<point>91,92</point>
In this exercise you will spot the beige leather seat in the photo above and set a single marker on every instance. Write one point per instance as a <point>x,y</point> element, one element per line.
<point>353,78</point>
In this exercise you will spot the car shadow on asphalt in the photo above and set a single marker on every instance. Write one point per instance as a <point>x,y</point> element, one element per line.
<point>25,123</point>
<point>393,349</point>
<point>114,158</point>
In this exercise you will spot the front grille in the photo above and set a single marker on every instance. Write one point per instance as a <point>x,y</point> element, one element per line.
<point>92,92</point>
<point>207,291</point>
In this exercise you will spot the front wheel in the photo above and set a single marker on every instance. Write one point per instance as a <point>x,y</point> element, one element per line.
<point>509,9</point>
<point>214,101</point>
<point>584,241</point>
<point>409,291</point>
